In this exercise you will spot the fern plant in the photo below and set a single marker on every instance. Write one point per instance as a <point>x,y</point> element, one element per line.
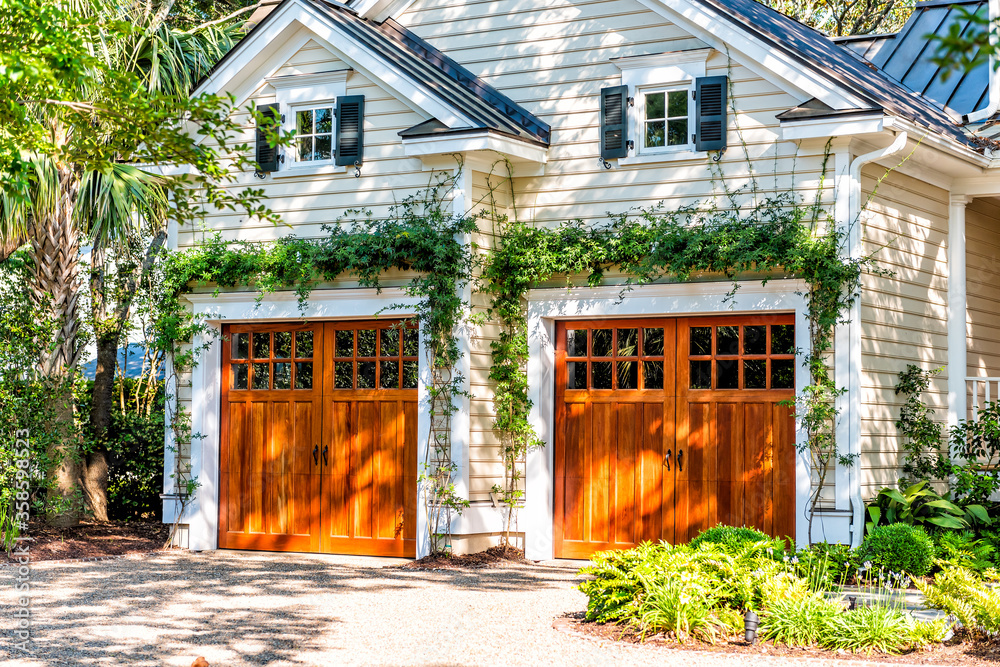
<point>960,591</point>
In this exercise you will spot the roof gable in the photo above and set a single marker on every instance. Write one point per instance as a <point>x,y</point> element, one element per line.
<point>387,53</point>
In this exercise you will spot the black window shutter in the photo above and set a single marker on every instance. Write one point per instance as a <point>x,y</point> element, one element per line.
<point>267,155</point>
<point>710,111</point>
<point>350,130</point>
<point>614,122</point>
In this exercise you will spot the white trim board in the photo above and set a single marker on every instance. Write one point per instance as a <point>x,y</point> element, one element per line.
<point>546,306</point>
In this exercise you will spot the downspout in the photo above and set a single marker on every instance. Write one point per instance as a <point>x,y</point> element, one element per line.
<point>854,336</point>
<point>994,99</point>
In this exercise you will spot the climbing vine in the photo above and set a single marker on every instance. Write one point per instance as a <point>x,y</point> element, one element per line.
<point>420,235</point>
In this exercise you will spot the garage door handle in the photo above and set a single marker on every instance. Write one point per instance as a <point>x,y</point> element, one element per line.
<point>316,454</point>
<point>680,460</point>
<point>326,448</point>
<point>666,459</point>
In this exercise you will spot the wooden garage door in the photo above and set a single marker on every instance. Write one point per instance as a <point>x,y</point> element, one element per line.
<point>319,440</point>
<point>666,427</point>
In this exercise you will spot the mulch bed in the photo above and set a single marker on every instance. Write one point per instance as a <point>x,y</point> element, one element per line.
<point>955,652</point>
<point>492,557</point>
<point>91,539</point>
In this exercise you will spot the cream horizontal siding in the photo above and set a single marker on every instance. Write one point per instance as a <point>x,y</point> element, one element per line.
<point>903,316</point>
<point>982,243</point>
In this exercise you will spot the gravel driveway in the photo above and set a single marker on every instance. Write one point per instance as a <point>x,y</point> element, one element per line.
<point>239,609</point>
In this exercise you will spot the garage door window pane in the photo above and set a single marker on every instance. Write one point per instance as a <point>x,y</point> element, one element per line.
<point>782,339</point>
<point>343,375</point>
<point>241,346</point>
<point>366,375</point>
<point>283,345</point>
<point>282,376</point>
<point>390,343</point>
<point>652,342</point>
<point>304,374</point>
<point>782,374</point>
<point>701,374</point>
<point>602,374</point>
<point>755,340</point>
<point>727,374</point>
<point>628,374</point>
<point>389,375</point>
<point>344,344</point>
<point>628,342</point>
<point>261,376</point>
<point>755,374</point>
<point>701,340</point>
<point>261,346</point>
<point>411,371</point>
<point>601,343</point>
<point>652,374</point>
<point>576,343</point>
<point>727,340</point>
<point>576,375</point>
<point>411,342</point>
<point>241,376</point>
<point>366,342</point>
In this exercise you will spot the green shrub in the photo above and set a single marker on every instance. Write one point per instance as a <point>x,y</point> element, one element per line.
<point>797,621</point>
<point>734,539</point>
<point>920,505</point>
<point>879,628</point>
<point>925,633</point>
<point>826,566</point>
<point>613,592</point>
<point>681,607</point>
<point>964,549</point>
<point>898,547</point>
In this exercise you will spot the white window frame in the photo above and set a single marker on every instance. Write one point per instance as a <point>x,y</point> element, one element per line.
<point>640,120</point>
<point>294,162</point>
<point>661,72</point>
<point>298,92</point>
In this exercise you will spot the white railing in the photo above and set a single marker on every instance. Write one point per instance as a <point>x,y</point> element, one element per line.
<point>981,392</point>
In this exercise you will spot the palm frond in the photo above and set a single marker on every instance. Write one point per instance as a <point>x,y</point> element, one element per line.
<point>115,199</point>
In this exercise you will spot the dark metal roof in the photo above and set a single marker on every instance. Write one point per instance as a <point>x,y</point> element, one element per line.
<point>454,84</point>
<point>816,51</point>
<point>905,57</point>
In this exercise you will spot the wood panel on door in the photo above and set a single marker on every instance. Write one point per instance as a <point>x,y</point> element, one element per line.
<point>661,433</point>
<point>614,435</point>
<point>271,430</point>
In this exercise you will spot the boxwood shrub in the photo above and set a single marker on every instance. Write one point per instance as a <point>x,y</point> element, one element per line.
<point>898,547</point>
<point>729,537</point>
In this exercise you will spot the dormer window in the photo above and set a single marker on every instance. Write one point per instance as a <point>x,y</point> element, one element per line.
<point>314,134</point>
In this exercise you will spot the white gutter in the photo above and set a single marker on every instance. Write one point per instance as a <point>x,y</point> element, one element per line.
<point>994,99</point>
<point>854,333</point>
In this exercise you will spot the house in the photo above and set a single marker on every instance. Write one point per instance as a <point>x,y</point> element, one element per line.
<point>596,106</point>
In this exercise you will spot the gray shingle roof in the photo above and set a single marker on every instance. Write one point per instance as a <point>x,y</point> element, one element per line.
<point>816,51</point>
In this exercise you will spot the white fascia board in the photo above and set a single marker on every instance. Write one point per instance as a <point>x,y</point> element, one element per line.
<point>824,128</point>
<point>380,10</point>
<point>479,141</point>
<point>323,303</point>
<point>269,49</point>
<point>754,54</point>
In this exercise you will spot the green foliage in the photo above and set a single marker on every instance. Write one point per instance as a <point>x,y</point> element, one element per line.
<point>797,621</point>
<point>920,505</point>
<point>926,451</point>
<point>733,537</point>
<point>964,549</point>
<point>966,595</point>
<point>840,18</point>
<point>899,548</point>
<point>977,444</point>
<point>883,628</point>
<point>679,606</point>
<point>826,565</point>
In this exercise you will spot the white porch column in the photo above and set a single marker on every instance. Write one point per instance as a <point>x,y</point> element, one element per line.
<point>957,333</point>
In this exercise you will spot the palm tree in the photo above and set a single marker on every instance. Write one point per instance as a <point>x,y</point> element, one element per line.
<point>86,188</point>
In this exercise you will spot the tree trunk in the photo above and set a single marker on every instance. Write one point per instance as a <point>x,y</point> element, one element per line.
<point>108,332</point>
<point>55,244</point>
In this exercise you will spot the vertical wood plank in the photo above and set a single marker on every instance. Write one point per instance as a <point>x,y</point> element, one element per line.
<point>575,500</point>
<point>362,473</point>
<point>784,471</point>
<point>650,500</point>
<point>624,453</point>
<point>259,432</point>
<point>601,437</point>
<point>410,470</point>
<point>758,488</point>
